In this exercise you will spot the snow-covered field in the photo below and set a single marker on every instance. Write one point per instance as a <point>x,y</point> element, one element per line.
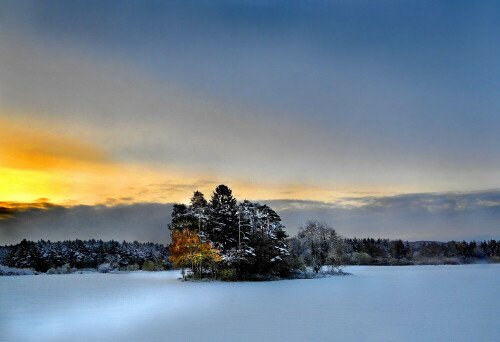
<point>415,303</point>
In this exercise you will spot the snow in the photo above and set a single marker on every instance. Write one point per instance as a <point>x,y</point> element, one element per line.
<point>405,303</point>
<point>7,271</point>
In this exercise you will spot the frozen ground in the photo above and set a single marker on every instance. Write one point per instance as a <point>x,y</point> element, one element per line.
<point>415,303</point>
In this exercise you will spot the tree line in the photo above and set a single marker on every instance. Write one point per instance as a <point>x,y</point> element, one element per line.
<point>43,256</point>
<point>224,239</point>
<point>397,252</point>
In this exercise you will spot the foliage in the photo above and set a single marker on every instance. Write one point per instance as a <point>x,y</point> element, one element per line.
<point>361,258</point>
<point>228,274</point>
<point>133,267</point>
<point>187,250</point>
<point>148,265</point>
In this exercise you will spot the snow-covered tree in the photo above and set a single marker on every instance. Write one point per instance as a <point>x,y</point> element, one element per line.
<point>250,235</point>
<point>181,218</point>
<point>200,211</point>
<point>318,244</point>
<point>45,255</point>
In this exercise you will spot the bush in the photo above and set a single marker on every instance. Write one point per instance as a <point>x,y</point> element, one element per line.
<point>495,260</point>
<point>401,262</point>
<point>105,268</point>
<point>298,263</point>
<point>65,269</point>
<point>161,265</point>
<point>361,258</point>
<point>133,267</point>
<point>52,271</point>
<point>148,266</point>
<point>11,271</point>
<point>228,274</point>
<point>451,261</point>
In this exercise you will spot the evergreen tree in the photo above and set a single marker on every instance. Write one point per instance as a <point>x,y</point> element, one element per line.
<point>199,210</point>
<point>181,218</point>
<point>263,247</point>
<point>223,226</point>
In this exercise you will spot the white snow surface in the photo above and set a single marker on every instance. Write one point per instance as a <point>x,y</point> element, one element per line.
<point>414,303</point>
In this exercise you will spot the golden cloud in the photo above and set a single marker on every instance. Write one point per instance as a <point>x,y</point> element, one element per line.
<point>37,148</point>
<point>39,162</point>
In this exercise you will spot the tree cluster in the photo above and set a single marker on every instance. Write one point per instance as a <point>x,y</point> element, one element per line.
<point>248,236</point>
<point>396,252</point>
<point>44,255</point>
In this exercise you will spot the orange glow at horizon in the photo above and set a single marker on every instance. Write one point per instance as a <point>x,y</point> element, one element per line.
<point>37,163</point>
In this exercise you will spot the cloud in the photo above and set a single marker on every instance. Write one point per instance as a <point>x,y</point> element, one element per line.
<point>141,222</point>
<point>160,123</point>
<point>9,209</point>
<point>27,147</point>
<point>451,202</point>
<point>420,216</point>
<point>425,216</point>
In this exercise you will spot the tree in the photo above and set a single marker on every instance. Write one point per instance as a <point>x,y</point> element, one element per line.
<point>319,245</point>
<point>398,249</point>
<point>24,255</point>
<point>199,210</point>
<point>261,248</point>
<point>198,200</point>
<point>223,225</point>
<point>181,218</point>
<point>187,250</point>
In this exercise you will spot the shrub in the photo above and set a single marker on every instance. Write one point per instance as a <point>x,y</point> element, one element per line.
<point>298,263</point>
<point>11,271</point>
<point>228,274</point>
<point>495,260</point>
<point>105,268</point>
<point>161,265</point>
<point>133,267</point>
<point>148,266</point>
<point>52,271</point>
<point>361,258</point>
<point>65,269</point>
<point>400,262</point>
<point>451,261</point>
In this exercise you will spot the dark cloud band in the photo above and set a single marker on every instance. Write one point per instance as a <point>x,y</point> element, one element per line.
<point>425,216</point>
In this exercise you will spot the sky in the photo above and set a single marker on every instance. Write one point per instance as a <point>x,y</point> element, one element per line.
<point>120,105</point>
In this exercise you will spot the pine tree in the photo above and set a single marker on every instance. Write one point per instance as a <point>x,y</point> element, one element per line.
<point>199,210</point>
<point>223,225</point>
<point>181,218</point>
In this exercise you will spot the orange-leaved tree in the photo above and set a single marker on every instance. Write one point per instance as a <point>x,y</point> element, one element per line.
<point>187,250</point>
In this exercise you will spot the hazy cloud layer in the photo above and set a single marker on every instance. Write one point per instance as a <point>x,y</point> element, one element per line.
<point>426,216</point>
<point>141,222</point>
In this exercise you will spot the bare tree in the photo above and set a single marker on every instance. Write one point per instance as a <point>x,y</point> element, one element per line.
<point>319,245</point>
